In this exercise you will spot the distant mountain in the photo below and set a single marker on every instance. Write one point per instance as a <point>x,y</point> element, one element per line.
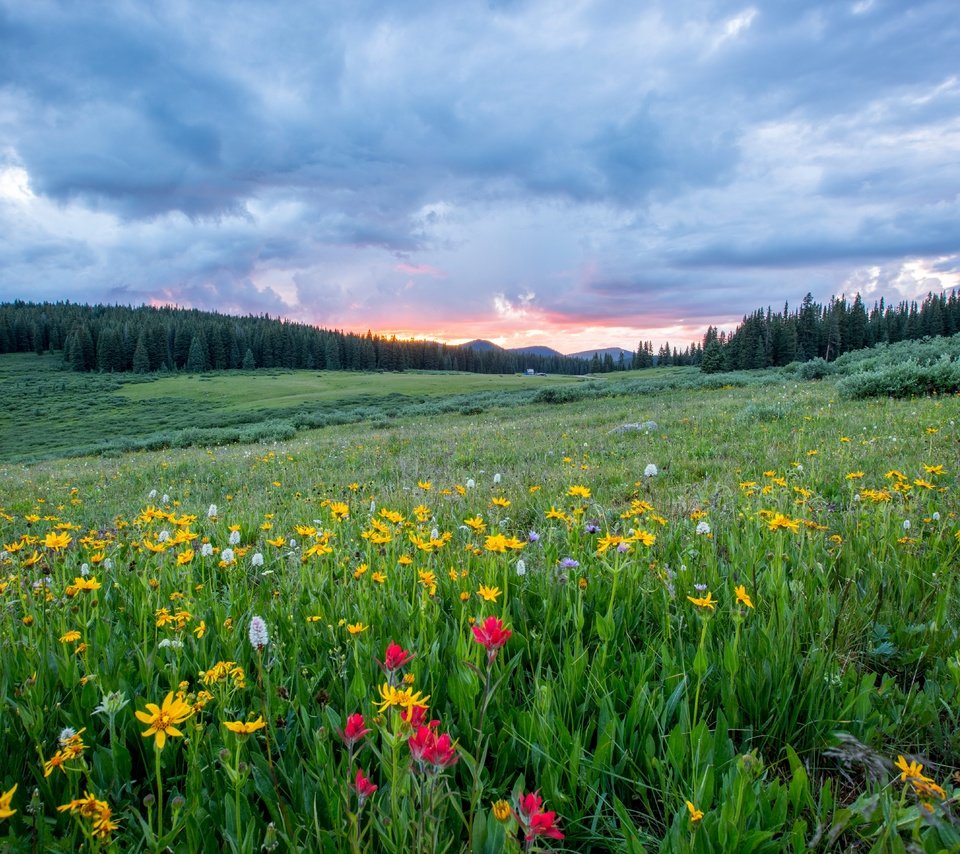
<point>480,344</point>
<point>613,351</point>
<point>536,351</point>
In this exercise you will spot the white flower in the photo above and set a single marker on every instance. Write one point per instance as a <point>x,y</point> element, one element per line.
<point>163,537</point>
<point>906,524</point>
<point>496,477</point>
<point>256,559</point>
<point>170,642</point>
<point>66,734</point>
<point>227,556</point>
<point>373,507</point>
<point>212,511</point>
<point>84,569</point>
<point>521,568</point>
<point>234,538</point>
<point>152,494</point>
<point>650,470</point>
<point>108,564</point>
<point>703,527</point>
<point>435,534</point>
<point>856,496</point>
<point>259,636</point>
<point>293,543</point>
<point>166,498</point>
<point>471,483</point>
<point>936,516</point>
<point>206,550</point>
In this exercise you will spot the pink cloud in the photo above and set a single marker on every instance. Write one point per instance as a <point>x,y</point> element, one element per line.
<point>419,270</point>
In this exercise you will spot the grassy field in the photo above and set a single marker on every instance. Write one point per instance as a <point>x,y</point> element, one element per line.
<point>754,648</point>
<point>50,412</point>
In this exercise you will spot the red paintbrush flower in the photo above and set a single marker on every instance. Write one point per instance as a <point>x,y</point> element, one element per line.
<point>395,657</point>
<point>354,731</point>
<point>430,749</point>
<point>363,786</point>
<point>492,634</point>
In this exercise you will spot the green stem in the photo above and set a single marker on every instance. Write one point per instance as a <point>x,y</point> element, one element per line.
<point>156,754</point>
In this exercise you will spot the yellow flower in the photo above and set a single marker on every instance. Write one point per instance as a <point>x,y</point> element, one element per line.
<point>780,522</point>
<point>910,771</point>
<point>200,630</point>
<point>356,628</point>
<point>379,577</point>
<point>184,557</point>
<point>57,541</point>
<point>399,697</point>
<point>742,596</point>
<point>501,811</point>
<point>70,637</point>
<point>497,501</point>
<point>695,814</point>
<point>934,470</point>
<point>705,601</point>
<point>495,543</point>
<point>579,492</point>
<point>489,594</point>
<point>476,524</point>
<point>5,798</point>
<point>425,485</point>
<point>464,595</point>
<point>162,720</point>
<point>90,583</point>
<point>339,510</point>
<point>245,727</point>
<point>277,543</point>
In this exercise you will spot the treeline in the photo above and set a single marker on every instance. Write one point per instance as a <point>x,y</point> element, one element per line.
<point>772,339</point>
<point>144,340</point>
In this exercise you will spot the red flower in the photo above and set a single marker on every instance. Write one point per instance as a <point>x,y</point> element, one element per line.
<point>429,748</point>
<point>529,805</point>
<point>536,822</point>
<point>542,824</point>
<point>395,657</point>
<point>364,787</point>
<point>354,731</point>
<point>415,716</point>
<point>492,634</point>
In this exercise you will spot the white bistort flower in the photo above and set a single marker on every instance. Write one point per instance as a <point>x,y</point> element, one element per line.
<point>259,636</point>
<point>521,568</point>
<point>650,470</point>
<point>206,550</point>
<point>703,527</point>
<point>256,559</point>
<point>212,511</point>
<point>234,538</point>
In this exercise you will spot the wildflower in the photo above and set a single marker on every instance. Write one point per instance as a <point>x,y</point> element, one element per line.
<point>934,470</point>
<point>429,748</point>
<point>379,577</point>
<point>696,815</point>
<point>354,731</point>
<point>259,637</point>
<point>780,522</point>
<point>535,821</point>
<point>357,628</point>
<point>489,594</point>
<point>650,470</point>
<point>363,786</point>
<point>395,657</point>
<point>703,528</point>
<point>906,524</point>
<point>201,629</point>
<point>162,720</point>
<point>492,635</point>
<point>497,477</point>
<point>704,601</point>
<point>70,637</point>
<point>212,512</point>
<point>401,698</point>
<point>5,799</point>
<point>57,541</point>
<point>741,593</point>
<point>910,770</point>
<point>499,501</point>
<point>579,492</point>
<point>501,811</point>
<point>521,568</point>
<point>428,579</point>
<point>569,563</point>
<point>245,727</point>
<point>206,550</point>
<point>425,485</point>
<point>185,557</point>
<point>533,537</point>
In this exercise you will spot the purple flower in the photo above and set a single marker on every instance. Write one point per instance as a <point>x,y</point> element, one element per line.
<point>533,537</point>
<point>592,528</point>
<point>700,588</point>
<point>569,563</point>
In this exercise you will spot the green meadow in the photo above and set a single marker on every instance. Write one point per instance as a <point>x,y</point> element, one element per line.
<point>734,631</point>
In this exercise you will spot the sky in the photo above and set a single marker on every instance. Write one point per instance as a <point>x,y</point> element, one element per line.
<point>575,174</point>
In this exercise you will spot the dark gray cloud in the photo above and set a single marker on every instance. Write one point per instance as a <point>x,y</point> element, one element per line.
<point>548,163</point>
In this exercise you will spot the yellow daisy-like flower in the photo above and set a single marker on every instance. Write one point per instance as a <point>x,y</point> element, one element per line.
<point>357,628</point>
<point>695,814</point>
<point>577,491</point>
<point>704,601</point>
<point>910,770</point>
<point>402,698</point>
<point>201,629</point>
<point>245,727</point>
<point>501,811</point>
<point>379,577</point>
<point>498,501</point>
<point>56,541</point>
<point>488,594</point>
<point>779,522</point>
<point>70,637</point>
<point>5,799</point>
<point>162,720</point>
<point>184,557</point>
<point>741,593</point>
